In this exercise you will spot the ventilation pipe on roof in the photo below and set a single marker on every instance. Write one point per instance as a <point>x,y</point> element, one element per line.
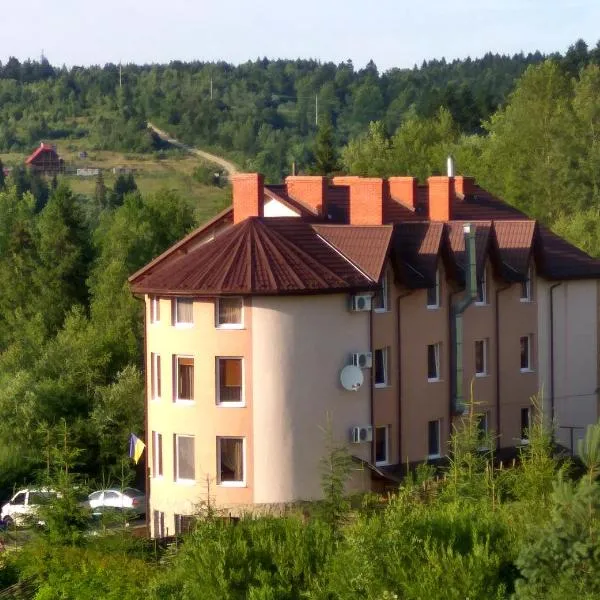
<point>457,310</point>
<point>450,166</point>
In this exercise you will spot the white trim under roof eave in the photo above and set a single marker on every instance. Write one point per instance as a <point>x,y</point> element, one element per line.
<point>345,257</point>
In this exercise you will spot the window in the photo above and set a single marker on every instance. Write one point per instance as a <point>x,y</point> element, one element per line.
<point>183,312</point>
<point>481,358</point>
<point>155,383</point>
<point>184,368</point>
<point>433,439</point>
<point>482,289</point>
<point>381,445</point>
<point>184,458</point>
<point>526,353</point>
<point>229,381</point>
<point>158,519</point>
<point>525,424</point>
<point>184,524</point>
<point>154,310</point>
<point>230,313</point>
<point>231,461</point>
<point>381,367</point>
<point>381,299</point>
<point>433,362</point>
<point>19,499</point>
<point>526,287</point>
<point>157,454</point>
<point>433,293</point>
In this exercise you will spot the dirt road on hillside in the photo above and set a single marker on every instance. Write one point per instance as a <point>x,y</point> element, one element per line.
<point>218,160</point>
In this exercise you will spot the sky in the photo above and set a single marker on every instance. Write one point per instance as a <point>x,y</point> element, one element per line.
<point>394,33</point>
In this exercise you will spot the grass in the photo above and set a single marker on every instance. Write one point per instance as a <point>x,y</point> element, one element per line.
<point>171,170</point>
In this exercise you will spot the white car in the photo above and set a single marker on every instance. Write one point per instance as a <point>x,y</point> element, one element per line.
<point>22,507</point>
<point>125,499</point>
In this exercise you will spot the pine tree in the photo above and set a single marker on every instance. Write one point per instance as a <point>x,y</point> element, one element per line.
<point>100,191</point>
<point>325,155</point>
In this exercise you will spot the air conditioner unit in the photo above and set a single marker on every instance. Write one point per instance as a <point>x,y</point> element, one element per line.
<point>364,360</point>
<point>361,434</point>
<point>360,303</point>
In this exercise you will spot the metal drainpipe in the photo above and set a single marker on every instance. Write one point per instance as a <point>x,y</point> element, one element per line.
<point>372,395</point>
<point>399,377</point>
<point>458,308</point>
<point>497,333</point>
<point>552,288</point>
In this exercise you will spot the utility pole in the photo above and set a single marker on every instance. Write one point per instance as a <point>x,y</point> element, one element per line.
<point>211,88</point>
<point>317,110</point>
<point>120,76</point>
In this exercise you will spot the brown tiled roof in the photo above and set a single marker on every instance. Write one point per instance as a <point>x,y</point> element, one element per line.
<point>456,236</point>
<point>197,237</point>
<point>515,243</point>
<point>366,246</point>
<point>416,247</point>
<point>277,255</point>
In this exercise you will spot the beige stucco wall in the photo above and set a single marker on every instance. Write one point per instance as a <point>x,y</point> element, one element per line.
<point>423,401</point>
<point>575,355</point>
<point>299,346</point>
<point>203,418</point>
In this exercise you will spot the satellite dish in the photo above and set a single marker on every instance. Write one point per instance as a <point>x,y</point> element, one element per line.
<point>351,378</point>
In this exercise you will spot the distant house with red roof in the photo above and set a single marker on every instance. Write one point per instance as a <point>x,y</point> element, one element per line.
<point>45,160</point>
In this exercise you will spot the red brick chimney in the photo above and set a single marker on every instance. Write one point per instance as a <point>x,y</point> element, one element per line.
<point>366,198</point>
<point>311,190</point>
<point>440,198</point>
<point>404,191</point>
<point>248,196</point>
<point>464,186</point>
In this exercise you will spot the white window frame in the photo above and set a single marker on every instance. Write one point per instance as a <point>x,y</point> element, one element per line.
<point>385,352</point>
<point>525,441</point>
<point>529,367</point>
<point>484,290</point>
<point>182,324</point>
<point>226,404</point>
<point>386,461</point>
<point>178,479</point>
<point>527,285</point>
<point>231,483</point>
<point>155,375</point>
<point>239,325</point>
<point>437,292</point>
<point>157,456</point>
<point>385,294</point>
<point>484,345</point>
<point>437,355</point>
<point>154,310</point>
<point>438,423</point>
<point>176,397</point>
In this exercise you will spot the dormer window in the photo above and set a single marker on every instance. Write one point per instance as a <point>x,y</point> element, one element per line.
<point>482,289</point>
<point>527,287</point>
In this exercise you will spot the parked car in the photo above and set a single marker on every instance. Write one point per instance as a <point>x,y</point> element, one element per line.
<point>23,506</point>
<point>125,499</point>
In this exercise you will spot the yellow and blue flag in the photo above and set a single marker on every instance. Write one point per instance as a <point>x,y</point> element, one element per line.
<point>136,448</point>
